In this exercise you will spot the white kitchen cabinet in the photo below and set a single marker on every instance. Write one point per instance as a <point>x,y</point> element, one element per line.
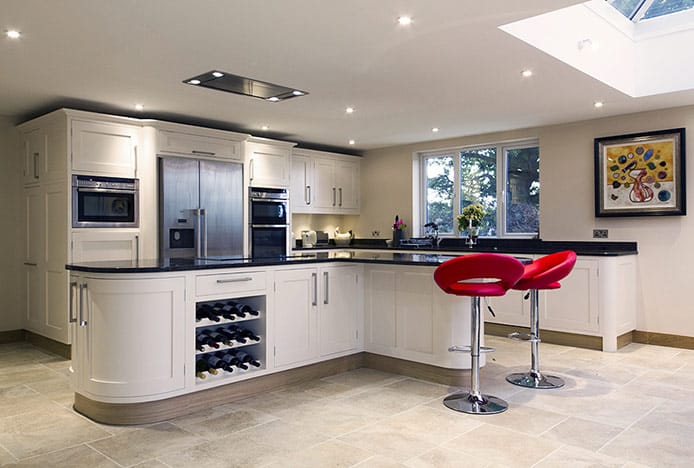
<point>89,245</point>
<point>295,316</point>
<point>33,155</point>
<point>104,148</point>
<point>186,140</point>
<point>267,162</point>
<point>317,313</point>
<point>339,309</point>
<point>408,317</point>
<point>301,183</point>
<point>45,277</point>
<point>510,309</point>
<point>129,336</point>
<point>336,184</point>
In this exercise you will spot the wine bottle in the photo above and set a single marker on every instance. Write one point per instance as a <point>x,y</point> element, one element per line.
<point>216,337</point>
<point>229,336</point>
<point>247,358</point>
<point>249,310</point>
<point>204,339</point>
<point>216,362</point>
<point>246,333</point>
<point>237,332</point>
<point>205,311</point>
<point>232,360</point>
<point>202,366</point>
<point>236,309</point>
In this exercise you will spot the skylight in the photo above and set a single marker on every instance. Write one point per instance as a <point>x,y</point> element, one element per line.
<point>637,10</point>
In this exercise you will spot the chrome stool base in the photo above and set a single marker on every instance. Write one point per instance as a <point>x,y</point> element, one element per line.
<point>533,380</point>
<point>466,403</point>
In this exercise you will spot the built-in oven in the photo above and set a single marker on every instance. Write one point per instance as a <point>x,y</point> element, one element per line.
<point>268,219</point>
<point>100,202</point>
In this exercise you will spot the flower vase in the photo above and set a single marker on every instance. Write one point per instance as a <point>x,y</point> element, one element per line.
<point>397,237</point>
<point>473,233</point>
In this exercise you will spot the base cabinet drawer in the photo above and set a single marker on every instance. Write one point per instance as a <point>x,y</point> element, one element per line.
<point>233,283</point>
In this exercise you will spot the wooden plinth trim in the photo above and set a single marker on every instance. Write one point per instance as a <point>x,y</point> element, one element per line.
<point>548,336</point>
<point>625,339</point>
<point>11,336</point>
<point>55,347</point>
<point>663,339</point>
<point>417,370</point>
<point>161,410</point>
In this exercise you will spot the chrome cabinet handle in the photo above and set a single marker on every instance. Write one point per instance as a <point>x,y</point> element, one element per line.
<point>315,288</point>
<point>73,289</point>
<point>340,196</point>
<point>307,195</point>
<point>235,280</point>
<point>83,289</point>
<point>137,248</point>
<point>36,165</point>
<point>30,264</point>
<point>135,153</point>
<point>251,169</point>
<point>207,153</point>
<point>334,196</point>
<point>326,298</point>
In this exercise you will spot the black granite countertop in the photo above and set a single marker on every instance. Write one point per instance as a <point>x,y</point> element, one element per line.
<point>189,264</point>
<point>511,246</point>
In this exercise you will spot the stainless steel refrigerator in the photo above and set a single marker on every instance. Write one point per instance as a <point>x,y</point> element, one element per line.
<point>200,208</point>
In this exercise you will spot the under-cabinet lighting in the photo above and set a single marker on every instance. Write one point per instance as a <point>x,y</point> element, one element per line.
<point>351,142</point>
<point>265,128</point>
<point>139,107</point>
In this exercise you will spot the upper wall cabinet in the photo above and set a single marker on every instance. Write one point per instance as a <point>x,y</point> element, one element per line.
<point>44,148</point>
<point>186,140</point>
<point>267,162</point>
<point>326,183</point>
<point>104,148</point>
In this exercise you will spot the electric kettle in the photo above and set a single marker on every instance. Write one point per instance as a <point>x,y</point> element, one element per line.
<point>308,238</point>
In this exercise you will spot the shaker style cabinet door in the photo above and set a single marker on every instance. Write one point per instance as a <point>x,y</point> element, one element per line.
<point>340,302</point>
<point>268,165</point>
<point>296,300</point>
<point>103,148</point>
<point>301,190</point>
<point>130,336</point>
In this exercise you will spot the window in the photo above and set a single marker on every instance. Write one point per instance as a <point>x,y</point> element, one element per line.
<point>504,178</point>
<point>636,10</point>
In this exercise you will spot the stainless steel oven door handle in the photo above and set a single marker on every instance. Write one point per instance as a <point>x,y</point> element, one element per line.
<point>106,190</point>
<point>269,225</point>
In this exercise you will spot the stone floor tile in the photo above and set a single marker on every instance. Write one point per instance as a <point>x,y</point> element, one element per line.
<point>433,425</point>
<point>221,424</point>
<point>333,454</point>
<point>575,457</point>
<point>379,461</point>
<point>79,456</point>
<point>533,421</point>
<point>55,427</point>
<point>502,446</point>
<point>589,435</point>
<point>658,449</point>
<point>440,457</point>
<point>131,447</point>
<point>382,440</point>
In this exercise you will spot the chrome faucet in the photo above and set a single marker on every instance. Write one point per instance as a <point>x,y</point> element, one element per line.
<point>432,232</point>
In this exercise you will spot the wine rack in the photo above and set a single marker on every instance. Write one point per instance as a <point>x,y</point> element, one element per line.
<point>229,338</point>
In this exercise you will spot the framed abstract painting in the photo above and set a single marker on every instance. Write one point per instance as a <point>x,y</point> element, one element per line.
<point>641,174</point>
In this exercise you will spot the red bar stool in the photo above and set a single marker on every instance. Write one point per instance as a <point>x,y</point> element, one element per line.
<point>543,273</point>
<point>477,275</point>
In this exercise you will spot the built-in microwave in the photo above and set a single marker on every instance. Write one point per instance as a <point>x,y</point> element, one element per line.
<point>100,202</point>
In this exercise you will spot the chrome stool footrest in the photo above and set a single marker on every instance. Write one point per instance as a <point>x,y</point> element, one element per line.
<point>467,349</point>
<point>518,336</point>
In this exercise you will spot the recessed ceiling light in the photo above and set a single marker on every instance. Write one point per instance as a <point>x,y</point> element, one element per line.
<point>405,20</point>
<point>351,142</point>
<point>527,73</point>
<point>217,74</point>
<point>264,128</point>
<point>598,104</point>
<point>350,110</point>
<point>435,129</point>
<point>273,99</point>
<point>194,82</point>
<point>12,34</point>
<point>139,107</point>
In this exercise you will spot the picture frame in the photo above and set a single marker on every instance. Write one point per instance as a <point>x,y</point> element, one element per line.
<point>641,174</point>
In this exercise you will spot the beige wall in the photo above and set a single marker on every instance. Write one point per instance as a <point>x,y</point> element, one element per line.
<point>10,241</point>
<point>666,244</point>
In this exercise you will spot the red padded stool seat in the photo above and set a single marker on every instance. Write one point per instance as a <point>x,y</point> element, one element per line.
<point>477,275</point>
<point>543,273</point>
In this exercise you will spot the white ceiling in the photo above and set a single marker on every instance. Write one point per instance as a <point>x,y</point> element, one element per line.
<point>452,68</point>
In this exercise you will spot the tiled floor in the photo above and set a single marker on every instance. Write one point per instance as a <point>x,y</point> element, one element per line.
<point>632,409</point>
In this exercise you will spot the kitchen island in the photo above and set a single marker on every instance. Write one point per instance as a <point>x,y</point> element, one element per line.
<point>142,351</point>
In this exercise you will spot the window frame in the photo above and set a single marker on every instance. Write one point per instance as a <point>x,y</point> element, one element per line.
<point>502,149</point>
